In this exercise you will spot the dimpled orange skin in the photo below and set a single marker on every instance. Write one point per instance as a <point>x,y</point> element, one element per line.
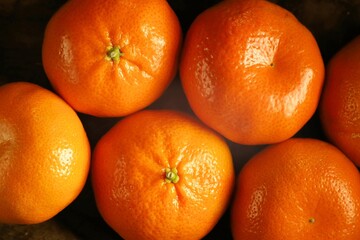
<point>251,71</point>
<point>44,154</point>
<point>298,189</point>
<point>340,104</point>
<point>76,46</point>
<point>128,176</point>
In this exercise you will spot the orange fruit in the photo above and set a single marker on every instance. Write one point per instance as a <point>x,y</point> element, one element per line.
<point>44,154</point>
<point>297,189</point>
<point>111,58</point>
<point>340,104</point>
<point>160,174</point>
<point>251,71</point>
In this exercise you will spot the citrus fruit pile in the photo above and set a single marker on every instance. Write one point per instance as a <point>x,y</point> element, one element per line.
<point>250,74</point>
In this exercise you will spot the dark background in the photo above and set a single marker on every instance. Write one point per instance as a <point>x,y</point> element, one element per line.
<point>22,24</point>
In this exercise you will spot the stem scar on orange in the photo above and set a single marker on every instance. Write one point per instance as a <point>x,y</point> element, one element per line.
<point>111,58</point>
<point>44,154</point>
<point>251,71</point>
<point>297,189</point>
<point>160,174</point>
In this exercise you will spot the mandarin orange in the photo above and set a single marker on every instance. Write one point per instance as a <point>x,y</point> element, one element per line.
<point>340,104</point>
<point>160,174</point>
<point>297,189</point>
<point>111,58</point>
<point>44,154</point>
<point>251,71</point>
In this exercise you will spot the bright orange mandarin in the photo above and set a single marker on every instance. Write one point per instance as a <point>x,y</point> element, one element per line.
<point>340,105</point>
<point>299,189</point>
<point>162,175</point>
<point>44,154</point>
<point>251,71</point>
<point>111,58</point>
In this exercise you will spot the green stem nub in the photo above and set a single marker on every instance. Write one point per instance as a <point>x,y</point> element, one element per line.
<point>171,175</point>
<point>113,53</point>
<point>311,220</point>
